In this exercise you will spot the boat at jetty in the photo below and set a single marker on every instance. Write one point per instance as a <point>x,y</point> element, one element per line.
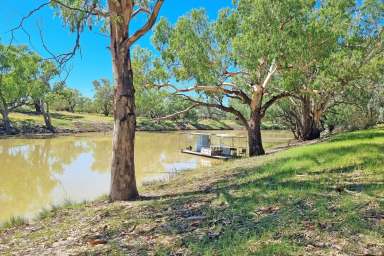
<point>219,146</point>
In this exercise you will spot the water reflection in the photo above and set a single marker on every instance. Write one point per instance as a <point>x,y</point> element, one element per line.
<point>27,173</point>
<point>36,173</point>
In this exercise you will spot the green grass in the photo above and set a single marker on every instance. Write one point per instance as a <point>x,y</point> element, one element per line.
<point>13,222</point>
<point>87,121</point>
<point>64,120</point>
<point>321,199</point>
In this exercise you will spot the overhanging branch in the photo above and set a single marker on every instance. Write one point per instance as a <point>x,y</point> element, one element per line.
<point>272,100</point>
<point>24,18</point>
<point>176,113</point>
<point>235,93</point>
<point>218,106</point>
<point>92,10</point>
<point>147,26</point>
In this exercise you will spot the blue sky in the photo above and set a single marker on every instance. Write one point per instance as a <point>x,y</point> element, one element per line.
<point>94,62</point>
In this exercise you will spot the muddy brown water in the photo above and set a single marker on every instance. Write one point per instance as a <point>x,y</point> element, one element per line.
<point>38,173</point>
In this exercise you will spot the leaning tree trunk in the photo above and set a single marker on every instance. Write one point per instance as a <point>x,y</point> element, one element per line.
<point>47,116</point>
<point>6,121</point>
<point>123,181</point>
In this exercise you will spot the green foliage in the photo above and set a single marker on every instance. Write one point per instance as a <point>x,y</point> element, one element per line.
<point>361,108</point>
<point>42,88</point>
<point>104,93</point>
<point>153,101</point>
<point>18,67</point>
<point>87,105</point>
<point>246,41</point>
<point>66,98</point>
<point>330,51</point>
<point>79,16</point>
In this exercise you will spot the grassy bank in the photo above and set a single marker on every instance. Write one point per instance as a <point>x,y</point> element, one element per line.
<point>322,199</point>
<point>66,122</point>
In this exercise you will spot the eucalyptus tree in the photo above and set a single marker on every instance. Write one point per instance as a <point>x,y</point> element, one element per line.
<point>241,56</point>
<point>18,67</point>
<point>103,95</point>
<point>151,102</point>
<point>67,98</point>
<point>360,108</point>
<point>118,17</point>
<point>343,54</point>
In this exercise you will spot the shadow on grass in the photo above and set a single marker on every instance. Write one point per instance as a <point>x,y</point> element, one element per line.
<point>319,199</point>
<point>298,203</point>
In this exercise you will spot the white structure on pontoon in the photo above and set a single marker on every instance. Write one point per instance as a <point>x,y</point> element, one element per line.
<point>221,146</point>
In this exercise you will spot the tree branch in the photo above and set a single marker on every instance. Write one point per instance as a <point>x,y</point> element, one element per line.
<point>272,100</point>
<point>176,113</point>
<point>24,18</point>
<point>139,10</point>
<point>219,106</point>
<point>272,70</point>
<point>147,26</point>
<point>92,11</point>
<point>238,94</point>
<point>62,58</point>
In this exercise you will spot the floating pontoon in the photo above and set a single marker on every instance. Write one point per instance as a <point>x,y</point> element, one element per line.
<point>219,146</point>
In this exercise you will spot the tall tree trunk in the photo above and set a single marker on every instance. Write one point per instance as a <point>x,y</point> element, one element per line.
<point>254,124</point>
<point>254,135</point>
<point>311,126</point>
<point>123,180</point>
<point>47,116</point>
<point>6,121</point>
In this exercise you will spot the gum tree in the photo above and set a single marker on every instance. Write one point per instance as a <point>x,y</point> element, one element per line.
<point>342,56</point>
<point>118,18</point>
<point>103,95</point>
<point>18,67</point>
<point>240,57</point>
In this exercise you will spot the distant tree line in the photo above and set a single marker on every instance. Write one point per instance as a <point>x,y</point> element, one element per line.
<point>28,82</point>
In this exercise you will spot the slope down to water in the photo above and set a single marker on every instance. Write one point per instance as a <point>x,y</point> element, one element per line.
<point>322,199</point>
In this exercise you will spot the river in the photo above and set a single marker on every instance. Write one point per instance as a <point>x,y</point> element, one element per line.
<point>38,173</point>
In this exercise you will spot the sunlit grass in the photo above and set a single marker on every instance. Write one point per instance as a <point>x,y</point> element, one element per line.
<point>59,119</point>
<point>321,199</point>
<point>317,198</point>
<point>68,120</point>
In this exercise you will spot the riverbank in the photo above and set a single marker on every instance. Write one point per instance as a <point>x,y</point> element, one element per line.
<point>29,123</point>
<point>321,199</point>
